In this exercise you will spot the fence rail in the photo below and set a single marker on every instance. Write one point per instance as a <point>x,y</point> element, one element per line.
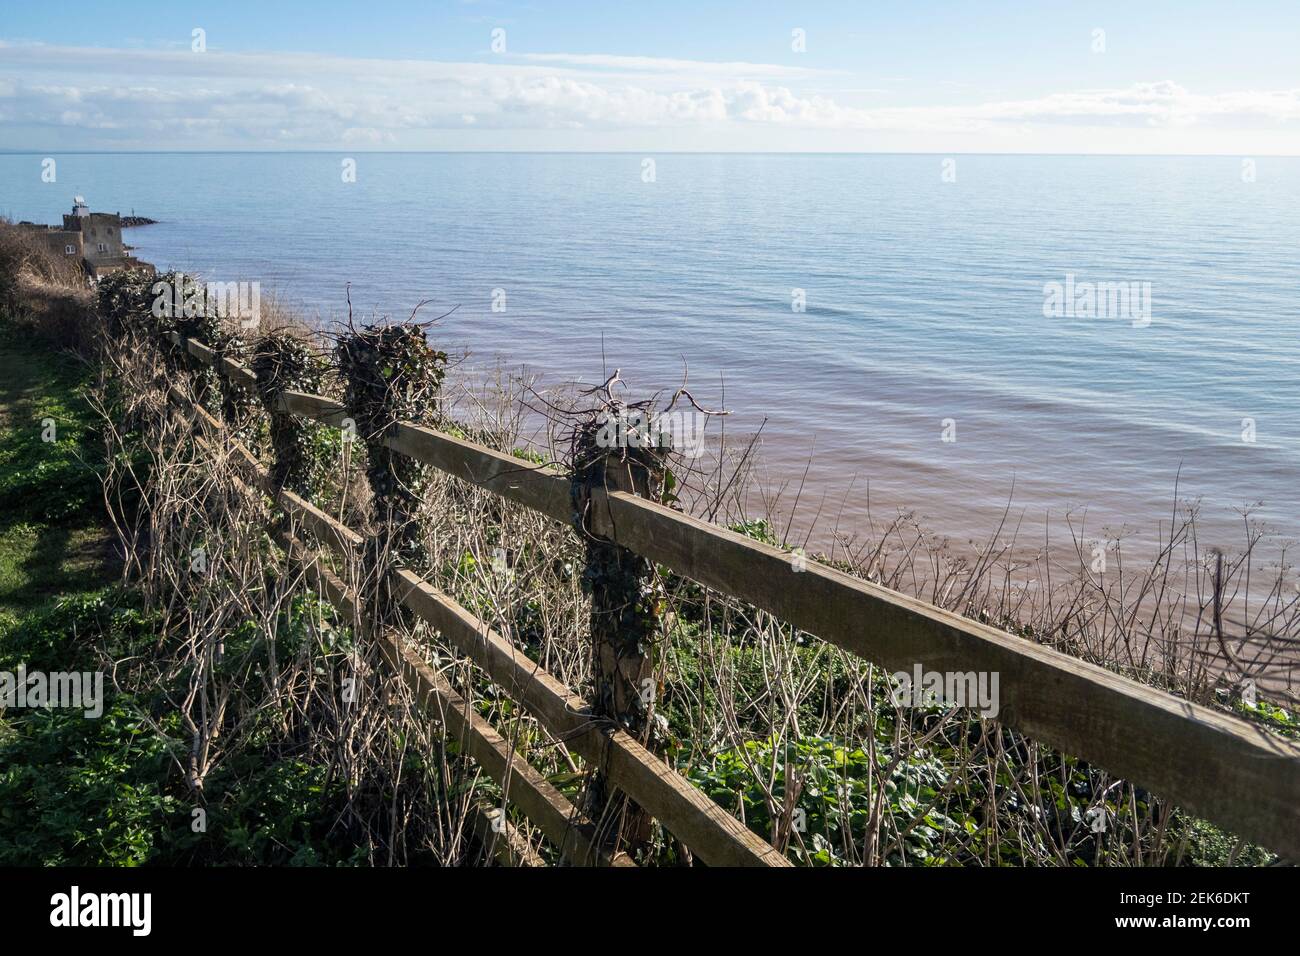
<point>1209,763</point>
<point>715,836</point>
<point>573,834</point>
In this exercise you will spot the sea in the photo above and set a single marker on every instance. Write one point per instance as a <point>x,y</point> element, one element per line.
<point>986,342</point>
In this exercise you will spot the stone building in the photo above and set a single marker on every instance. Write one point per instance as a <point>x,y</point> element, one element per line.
<point>93,238</point>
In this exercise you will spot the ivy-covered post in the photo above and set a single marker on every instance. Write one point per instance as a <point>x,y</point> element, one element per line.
<point>123,301</point>
<point>391,374</point>
<point>286,361</point>
<point>225,337</point>
<point>160,312</point>
<point>182,304</point>
<point>614,451</point>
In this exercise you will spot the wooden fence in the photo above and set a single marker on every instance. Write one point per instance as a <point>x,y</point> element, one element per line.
<point>1209,763</point>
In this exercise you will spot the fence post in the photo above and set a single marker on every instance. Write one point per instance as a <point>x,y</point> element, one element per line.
<point>390,374</point>
<point>195,318</point>
<point>285,361</point>
<point>154,314</point>
<point>627,603</point>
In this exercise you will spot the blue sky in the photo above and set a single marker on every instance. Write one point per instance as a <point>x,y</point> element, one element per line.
<point>945,77</point>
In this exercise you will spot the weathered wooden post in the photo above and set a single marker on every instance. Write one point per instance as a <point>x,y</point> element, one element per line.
<point>123,302</point>
<point>154,310</point>
<point>286,361</point>
<point>614,452</point>
<point>392,374</point>
<point>195,316</point>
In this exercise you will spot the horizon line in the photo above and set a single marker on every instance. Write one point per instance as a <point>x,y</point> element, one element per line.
<point>613,152</point>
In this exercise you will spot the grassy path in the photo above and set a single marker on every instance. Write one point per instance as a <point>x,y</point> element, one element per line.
<point>65,781</point>
<point>53,541</point>
<point>107,790</point>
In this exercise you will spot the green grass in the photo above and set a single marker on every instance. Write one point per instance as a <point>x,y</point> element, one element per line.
<point>55,565</point>
<point>109,791</point>
<point>53,541</point>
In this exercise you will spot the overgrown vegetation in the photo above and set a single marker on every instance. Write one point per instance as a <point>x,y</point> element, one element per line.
<point>284,360</point>
<point>237,692</point>
<point>110,790</point>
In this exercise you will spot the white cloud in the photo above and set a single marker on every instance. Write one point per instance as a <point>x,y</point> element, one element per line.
<point>1164,103</point>
<point>228,100</point>
<point>643,65</point>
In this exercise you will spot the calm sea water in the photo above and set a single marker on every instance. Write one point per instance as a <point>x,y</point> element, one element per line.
<point>924,303</point>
